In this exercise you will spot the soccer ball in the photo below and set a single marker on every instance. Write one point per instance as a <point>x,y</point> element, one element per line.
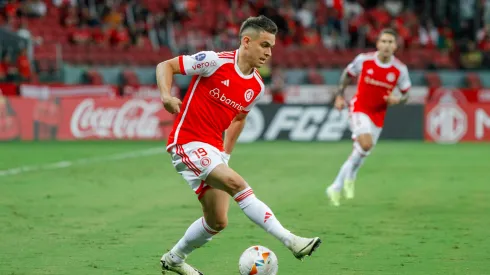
<point>258,260</point>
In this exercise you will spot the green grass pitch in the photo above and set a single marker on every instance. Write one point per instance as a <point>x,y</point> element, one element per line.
<point>420,209</point>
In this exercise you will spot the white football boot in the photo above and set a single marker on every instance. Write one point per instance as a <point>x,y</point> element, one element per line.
<point>302,247</point>
<point>182,269</point>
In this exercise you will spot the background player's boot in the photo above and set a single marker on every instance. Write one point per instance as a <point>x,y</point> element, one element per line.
<point>349,189</point>
<point>182,269</point>
<point>302,247</point>
<point>333,195</point>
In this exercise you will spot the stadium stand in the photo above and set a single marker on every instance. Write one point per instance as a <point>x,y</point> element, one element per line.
<point>313,34</point>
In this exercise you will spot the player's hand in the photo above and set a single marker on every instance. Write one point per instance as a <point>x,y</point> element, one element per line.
<point>339,102</point>
<point>391,99</point>
<point>172,104</point>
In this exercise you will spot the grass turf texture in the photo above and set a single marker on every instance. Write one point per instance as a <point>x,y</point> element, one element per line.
<point>419,209</point>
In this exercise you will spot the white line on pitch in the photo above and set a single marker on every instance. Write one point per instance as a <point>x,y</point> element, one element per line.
<point>68,163</point>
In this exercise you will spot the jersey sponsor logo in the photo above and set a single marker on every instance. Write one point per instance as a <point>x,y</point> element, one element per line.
<point>390,77</point>
<point>249,94</point>
<point>375,82</point>
<point>204,65</point>
<point>200,56</point>
<point>218,95</point>
<point>447,123</point>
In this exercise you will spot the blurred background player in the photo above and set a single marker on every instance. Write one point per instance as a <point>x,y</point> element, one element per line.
<point>225,86</point>
<point>378,74</point>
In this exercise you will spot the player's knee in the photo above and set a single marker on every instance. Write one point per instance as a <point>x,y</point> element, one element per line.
<point>220,224</point>
<point>366,145</point>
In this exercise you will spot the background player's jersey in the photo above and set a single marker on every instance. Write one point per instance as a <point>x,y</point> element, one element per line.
<point>217,93</point>
<point>376,80</point>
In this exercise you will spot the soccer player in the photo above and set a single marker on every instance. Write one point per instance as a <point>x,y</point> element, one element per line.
<point>379,72</point>
<point>224,87</point>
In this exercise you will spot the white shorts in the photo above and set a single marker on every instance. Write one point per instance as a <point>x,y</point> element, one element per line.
<point>360,123</point>
<point>194,161</point>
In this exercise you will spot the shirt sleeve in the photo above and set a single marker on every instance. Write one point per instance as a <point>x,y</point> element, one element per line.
<point>355,67</point>
<point>404,82</point>
<point>202,63</point>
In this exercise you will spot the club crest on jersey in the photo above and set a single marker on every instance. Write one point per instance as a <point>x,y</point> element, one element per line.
<point>200,56</point>
<point>249,94</point>
<point>390,77</point>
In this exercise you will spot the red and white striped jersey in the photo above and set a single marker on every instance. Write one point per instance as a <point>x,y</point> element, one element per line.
<point>217,93</point>
<point>376,80</point>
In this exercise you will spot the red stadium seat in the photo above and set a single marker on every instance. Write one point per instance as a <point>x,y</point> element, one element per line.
<point>473,81</point>
<point>433,80</point>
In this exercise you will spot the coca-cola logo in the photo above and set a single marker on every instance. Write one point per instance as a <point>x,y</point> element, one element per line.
<point>136,118</point>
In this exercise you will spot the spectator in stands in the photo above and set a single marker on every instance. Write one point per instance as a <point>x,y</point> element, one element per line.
<point>89,18</point>
<point>34,8</point>
<point>8,67</point>
<point>101,36</point>
<point>69,17</point>
<point>311,38</point>
<point>113,17</point>
<point>81,35</point>
<point>471,57</point>
<point>23,31</point>
<point>277,86</point>
<point>428,35</point>
<point>3,72</point>
<point>24,66</point>
<point>120,37</point>
<point>11,9</point>
<point>446,39</point>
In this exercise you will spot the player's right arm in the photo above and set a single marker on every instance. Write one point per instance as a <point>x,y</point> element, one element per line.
<point>352,70</point>
<point>164,74</point>
<point>203,63</point>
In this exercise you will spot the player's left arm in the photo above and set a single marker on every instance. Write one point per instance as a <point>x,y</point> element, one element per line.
<point>237,125</point>
<point>233,132</point>
<point>404,85</point>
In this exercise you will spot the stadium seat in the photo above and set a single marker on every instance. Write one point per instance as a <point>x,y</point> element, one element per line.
<point>129,77</point>
<point>94,77</point>
<point>473,81</point>
<point>433,80</point>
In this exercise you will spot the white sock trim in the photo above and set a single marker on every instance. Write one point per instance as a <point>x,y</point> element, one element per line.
<point>208,228</point>
<point>240,196</point>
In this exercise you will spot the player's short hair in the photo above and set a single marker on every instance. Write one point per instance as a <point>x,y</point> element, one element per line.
<point>389,31</point>
<point>259,23</point>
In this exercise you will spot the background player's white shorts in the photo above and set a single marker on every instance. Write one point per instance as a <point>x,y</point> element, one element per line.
<point>360,123</point>
<point>194,161</point>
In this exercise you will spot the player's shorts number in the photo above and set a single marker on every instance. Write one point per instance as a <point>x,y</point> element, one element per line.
<point>201,152</point>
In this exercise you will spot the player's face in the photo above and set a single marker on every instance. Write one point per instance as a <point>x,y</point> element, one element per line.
<point>386,45</point>
<point>260,49</point>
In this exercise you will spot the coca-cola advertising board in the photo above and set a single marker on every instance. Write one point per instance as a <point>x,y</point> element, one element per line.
<point>91,118</point>
<point>453,123</point>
